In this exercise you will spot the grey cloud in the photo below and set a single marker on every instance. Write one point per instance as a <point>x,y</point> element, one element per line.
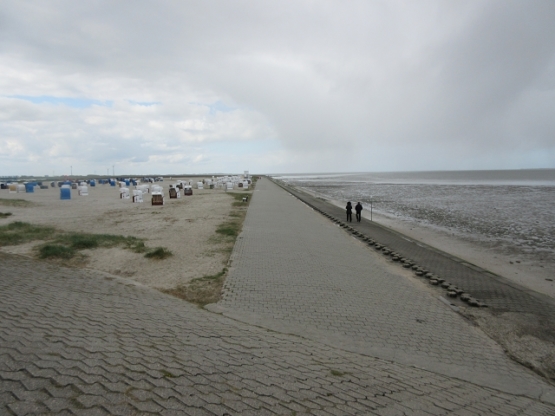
<point>342,86</point>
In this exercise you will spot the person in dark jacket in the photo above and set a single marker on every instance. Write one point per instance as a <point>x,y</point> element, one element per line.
<point>349,209</point>
<point>358,209</point>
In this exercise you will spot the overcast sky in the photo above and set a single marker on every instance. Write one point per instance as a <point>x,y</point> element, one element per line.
<point>275,86</point>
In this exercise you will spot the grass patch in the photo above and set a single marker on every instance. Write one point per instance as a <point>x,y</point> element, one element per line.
<point>337,373</point>
<point>56,251</point>
<point>201,291</point>
<point>229,229</point>
<point>158,253</point>
<point>22,232</point>
<point>81,241</point>
<point>5,214</point>
<point>65,245</point>
<point>16,203</point>
<point>239,199</point>
<point>232,228</point>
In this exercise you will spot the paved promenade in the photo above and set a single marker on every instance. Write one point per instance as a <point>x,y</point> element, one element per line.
<point>337,333</point>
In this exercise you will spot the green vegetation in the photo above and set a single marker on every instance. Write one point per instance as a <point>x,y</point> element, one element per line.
<point>5,214</point>
<point>239,199</point>
<point>16,203</point>
<point>81,241</point>
<point>21,232</point>
<point>229,229</point>
<point>232,228</point>
<point>201,291</point>
<point>50,251</point>
<point>158,253</point>
<point>65,245</point>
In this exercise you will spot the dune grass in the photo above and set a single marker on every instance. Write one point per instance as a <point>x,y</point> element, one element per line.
<point>158,253</point>
<point>63,245</point>
<point>239,198</point>
<point>5,214</point>
<point>232,227</point>
<point>50,251</point>
<point>21,232</point>
<point>81,241</point>
<point>16,203</point>
<point>229,228</point>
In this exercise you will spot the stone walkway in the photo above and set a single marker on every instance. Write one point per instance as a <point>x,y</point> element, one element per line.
<point>84,342</point>
<point>297,272</point>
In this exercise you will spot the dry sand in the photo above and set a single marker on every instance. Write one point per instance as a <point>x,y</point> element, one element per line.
<point>186,226</point>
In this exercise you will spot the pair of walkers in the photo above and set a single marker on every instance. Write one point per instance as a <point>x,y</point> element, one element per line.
<point>358,209</point>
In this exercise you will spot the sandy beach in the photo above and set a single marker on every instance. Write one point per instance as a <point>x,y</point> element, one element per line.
<point>185,226</point>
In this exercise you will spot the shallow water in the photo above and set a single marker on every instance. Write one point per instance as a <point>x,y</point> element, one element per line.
<point>510,210</point>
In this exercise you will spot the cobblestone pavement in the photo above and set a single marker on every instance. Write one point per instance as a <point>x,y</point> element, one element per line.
<point>527,318</point>
<point>85,343</point>
<point>297,272</point>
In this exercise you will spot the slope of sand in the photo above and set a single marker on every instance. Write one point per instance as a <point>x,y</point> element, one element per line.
<point>186,226</point>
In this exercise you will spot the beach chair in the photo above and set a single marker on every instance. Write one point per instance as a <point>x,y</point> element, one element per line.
<point>124,193</point>
<point>174,193</point>
<point>142,188</point>
<point>157,198</point>
<point>137,196</point>
<point>83,190</point>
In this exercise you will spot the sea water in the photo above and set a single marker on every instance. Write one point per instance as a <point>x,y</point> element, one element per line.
<point>511,210</point>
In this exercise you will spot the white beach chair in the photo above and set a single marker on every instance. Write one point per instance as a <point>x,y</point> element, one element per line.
<point>143,188</point>
<point>137,196</point>
<point>124,193</point>
<point>83,190</point>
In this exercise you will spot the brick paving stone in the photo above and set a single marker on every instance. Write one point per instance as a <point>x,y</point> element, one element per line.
<point>500,294</point>
<point>75,320</point>
<point>295,271</point>
<point>26,407</point>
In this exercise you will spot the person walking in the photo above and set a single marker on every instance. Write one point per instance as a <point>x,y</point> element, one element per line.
<point>349,209</point>
<point>358,209</point>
